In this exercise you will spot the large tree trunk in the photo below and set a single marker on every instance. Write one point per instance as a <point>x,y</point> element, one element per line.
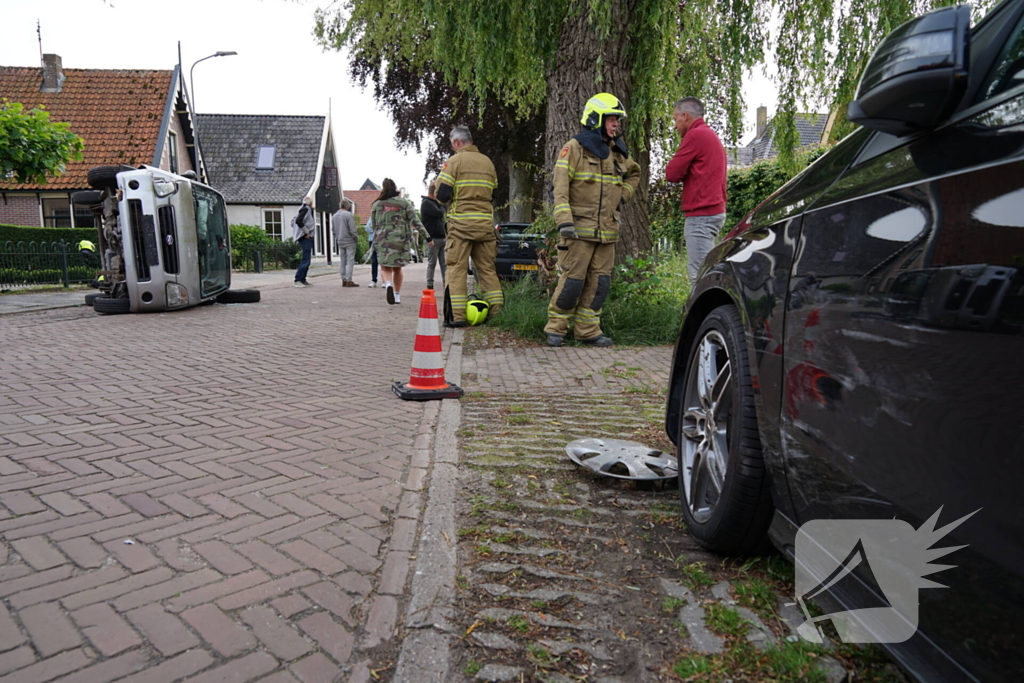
<point>585,66</point>
<point>520,192</point>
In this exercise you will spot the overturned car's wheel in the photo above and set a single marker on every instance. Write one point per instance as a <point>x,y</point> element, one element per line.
<point>722,477</point>
<point>239,296</point>
<point>105,304</point>
<point>90,299</point>
<point>105,177</point>
<point>88,198</point>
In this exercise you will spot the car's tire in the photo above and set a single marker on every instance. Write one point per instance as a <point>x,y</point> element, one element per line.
<point>723,482</point>
<point>90,299</point>
<point>239,296</point>
<point>105,177</point>
<point>110,306</point>
<point>87,197</point>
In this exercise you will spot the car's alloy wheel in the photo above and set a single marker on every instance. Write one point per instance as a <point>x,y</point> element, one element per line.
<point>722,478</point>
<point>705,450</point>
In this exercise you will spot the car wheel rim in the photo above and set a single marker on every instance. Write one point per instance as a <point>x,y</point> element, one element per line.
<point>704,448</point>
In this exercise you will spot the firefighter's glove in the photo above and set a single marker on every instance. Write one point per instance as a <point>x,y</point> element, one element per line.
<point>568,231</point>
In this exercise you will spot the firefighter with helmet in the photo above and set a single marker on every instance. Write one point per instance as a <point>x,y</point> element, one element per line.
<point>466,184</point>
<point>593,177</point>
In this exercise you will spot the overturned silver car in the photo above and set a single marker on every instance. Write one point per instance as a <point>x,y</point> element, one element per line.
<point>163,240</point>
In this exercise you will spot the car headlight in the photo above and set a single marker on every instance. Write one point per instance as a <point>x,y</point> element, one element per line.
<point>164,187</point>
<point>177,295</point>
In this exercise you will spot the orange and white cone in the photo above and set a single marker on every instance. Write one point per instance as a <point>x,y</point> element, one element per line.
<point>426,380</point>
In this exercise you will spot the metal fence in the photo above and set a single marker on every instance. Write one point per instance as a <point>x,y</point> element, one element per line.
<point>256,259</point>
<point>32,264</point>
<point>24,264</point>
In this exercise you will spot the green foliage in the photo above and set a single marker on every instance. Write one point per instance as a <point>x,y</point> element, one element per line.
<point>45,276</point>
<point>15,233</point>
<point>748,187</point>
<point>245,236</point>
<point>32,147</point>
<point>643,308</point>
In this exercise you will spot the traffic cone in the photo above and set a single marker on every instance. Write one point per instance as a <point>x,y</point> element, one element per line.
<point>426,381</point>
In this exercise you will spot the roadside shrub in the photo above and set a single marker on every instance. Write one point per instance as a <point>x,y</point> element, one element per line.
<point>748,187</point>
<point>644,307</point>
<point>16,233</point>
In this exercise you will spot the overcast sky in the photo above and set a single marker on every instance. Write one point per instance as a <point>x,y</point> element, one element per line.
<point>278,69</point>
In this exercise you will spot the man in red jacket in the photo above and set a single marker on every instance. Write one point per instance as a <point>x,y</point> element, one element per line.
<point>700,165</point>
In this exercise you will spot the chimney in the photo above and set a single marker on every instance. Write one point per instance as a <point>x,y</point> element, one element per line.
<point>762,121</point>
<point>53,73</point>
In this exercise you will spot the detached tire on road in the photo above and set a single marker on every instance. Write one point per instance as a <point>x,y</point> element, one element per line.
<point>109,306</point>
<point>723,480</point>
<point>105,177</point>
<point>239,296</point>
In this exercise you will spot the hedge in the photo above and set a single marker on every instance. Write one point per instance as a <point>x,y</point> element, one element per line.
<point>15,233</point>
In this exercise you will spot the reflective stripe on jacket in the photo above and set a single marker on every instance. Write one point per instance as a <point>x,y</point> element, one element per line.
<point>588,190</point>
<point>471,176</point>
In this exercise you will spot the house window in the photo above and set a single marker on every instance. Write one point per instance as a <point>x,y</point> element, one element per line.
<point>265,159</point>
<point>273,223</point>
<point>172,148</point>
<point>56,212</point>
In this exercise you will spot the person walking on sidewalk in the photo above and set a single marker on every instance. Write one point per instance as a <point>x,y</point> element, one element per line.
<point>394,219</point>
<point>343,223</point>
<point>303,226</point>
<point>373,252</point>
<point>700,165</point>
<point>466,183</point>
<point>433,214</point>
<point>593,176</point>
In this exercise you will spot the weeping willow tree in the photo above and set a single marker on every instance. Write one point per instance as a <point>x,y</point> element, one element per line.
<point>552,55</point>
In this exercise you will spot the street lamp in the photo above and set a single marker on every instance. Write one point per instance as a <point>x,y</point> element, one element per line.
<point>195,114</point>
<point>191,85</point>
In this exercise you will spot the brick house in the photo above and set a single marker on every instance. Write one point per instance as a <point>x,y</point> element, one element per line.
<point>264,165</point>
<point>124,116</point>
<point>363,198</point>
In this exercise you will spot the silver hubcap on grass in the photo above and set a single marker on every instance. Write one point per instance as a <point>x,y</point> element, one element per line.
<point>705,443</point>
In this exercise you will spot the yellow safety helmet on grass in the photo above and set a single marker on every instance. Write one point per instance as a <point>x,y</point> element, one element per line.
<point>476,311</point>
<point>599,106</point>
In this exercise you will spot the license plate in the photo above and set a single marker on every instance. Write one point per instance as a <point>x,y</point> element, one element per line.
<point>523,266</point>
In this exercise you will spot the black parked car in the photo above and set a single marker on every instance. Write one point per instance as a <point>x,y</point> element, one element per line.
<point>517,250</point>
<point>854,350</point>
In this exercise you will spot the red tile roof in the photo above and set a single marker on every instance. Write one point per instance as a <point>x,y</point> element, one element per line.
<point>117,113</point>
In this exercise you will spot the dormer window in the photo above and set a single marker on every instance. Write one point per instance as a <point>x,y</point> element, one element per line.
<point>265,159</point>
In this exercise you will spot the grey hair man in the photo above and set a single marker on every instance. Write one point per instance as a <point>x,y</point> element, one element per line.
<point>460,135</point>
<point>700,165</point>
<point>343,224</point>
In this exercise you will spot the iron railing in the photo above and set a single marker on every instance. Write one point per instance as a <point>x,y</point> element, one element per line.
<point>257,258</point>
<point>24,264</point>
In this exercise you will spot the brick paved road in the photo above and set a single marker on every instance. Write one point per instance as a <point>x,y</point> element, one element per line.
<point>225,492</point>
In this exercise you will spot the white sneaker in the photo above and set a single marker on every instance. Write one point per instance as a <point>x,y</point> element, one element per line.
<point>389,292</point>
<point>372,284</point>
<point>398,298</point>
<point>298,284</point>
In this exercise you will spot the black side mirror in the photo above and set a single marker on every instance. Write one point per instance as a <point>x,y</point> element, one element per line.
<point>917,75</point>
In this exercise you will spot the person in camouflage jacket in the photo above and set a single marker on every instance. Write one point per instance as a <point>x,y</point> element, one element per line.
<point>394,220</point>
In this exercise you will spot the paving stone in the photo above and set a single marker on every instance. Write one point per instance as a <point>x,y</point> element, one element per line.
<point>332,637</point>
<point>275,633</point>
<point>50,629</point>
<point>105,629</point>
<point>499,673</point>
<point>38,553</point>
<point>315,668</point>
<point>145,505</point>
<point>495,641</point>
<point>219,630</point>
<point>163,629</point>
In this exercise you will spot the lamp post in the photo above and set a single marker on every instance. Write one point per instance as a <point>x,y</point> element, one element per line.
<point>195,114</point>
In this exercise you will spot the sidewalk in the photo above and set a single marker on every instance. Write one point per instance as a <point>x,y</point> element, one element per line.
<point>41,301</point>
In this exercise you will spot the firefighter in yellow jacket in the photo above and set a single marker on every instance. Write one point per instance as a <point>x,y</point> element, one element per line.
<point>593,176</point>
<point>466,182</point>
